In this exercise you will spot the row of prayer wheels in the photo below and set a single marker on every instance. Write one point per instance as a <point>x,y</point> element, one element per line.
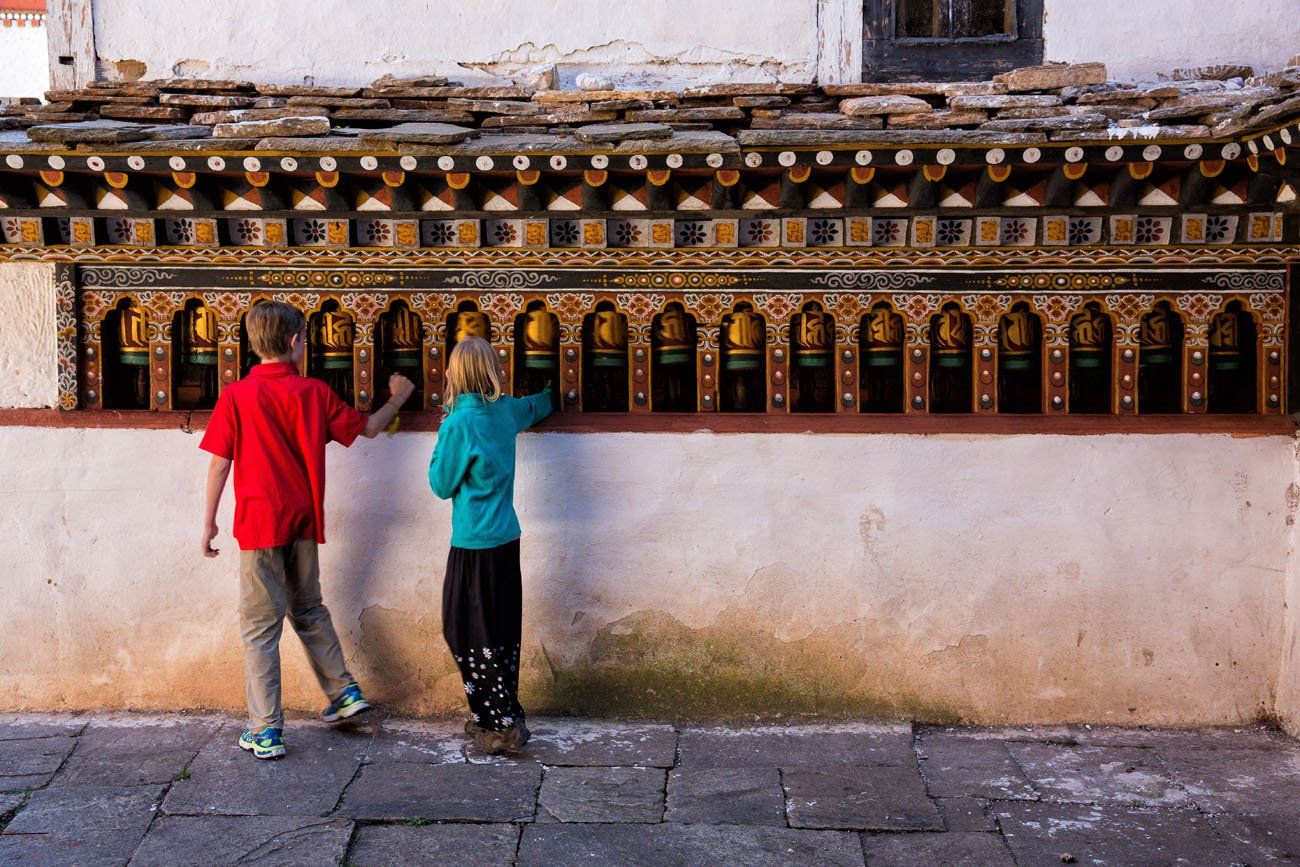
<point>743,385</point>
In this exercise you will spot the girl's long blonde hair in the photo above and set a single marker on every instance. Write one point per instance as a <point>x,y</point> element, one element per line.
<point>472,369</point>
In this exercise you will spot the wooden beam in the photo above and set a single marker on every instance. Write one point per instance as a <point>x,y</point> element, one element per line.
<point>70,35</point>
<point>839,41</point>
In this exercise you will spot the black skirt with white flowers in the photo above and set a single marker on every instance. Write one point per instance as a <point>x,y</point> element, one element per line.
<point>482,612</point>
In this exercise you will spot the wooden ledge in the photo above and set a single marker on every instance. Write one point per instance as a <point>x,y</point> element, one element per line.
<point>728,423</point>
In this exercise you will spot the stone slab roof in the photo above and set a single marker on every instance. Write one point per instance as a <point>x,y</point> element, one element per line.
<point>1024,107</point>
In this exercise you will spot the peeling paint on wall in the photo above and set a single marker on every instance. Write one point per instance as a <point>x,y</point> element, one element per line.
<point>28,351</point>
<point>696,575</point>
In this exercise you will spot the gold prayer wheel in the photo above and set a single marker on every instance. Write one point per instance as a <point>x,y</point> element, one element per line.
<point>1156,338</point>
<point>132,336</point>
<point>672,341</point>
<point>608,339</point>
<point>882,337</point>
<point>742,338</point>
<point>1017,339</point>
<point>814,338</point>
<point>541,340</point>
<point>402,332</point>
<point>334,337</point>
<point>471,323</point>
<point>1225,341</point>
<point>950,338</point>
<point>1089,337</point>
<point>200,335</point>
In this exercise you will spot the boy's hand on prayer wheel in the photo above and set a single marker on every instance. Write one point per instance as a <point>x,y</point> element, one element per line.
<point>400,388</point>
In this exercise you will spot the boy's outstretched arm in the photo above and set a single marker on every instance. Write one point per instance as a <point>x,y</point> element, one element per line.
<point>401,389</point>
<point>218,472</point>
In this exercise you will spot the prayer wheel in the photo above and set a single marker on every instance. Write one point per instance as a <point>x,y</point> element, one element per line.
<point>950,371</point>
<point>1090,361</point>
<point>674,361</point>
<point>881,338</point>
<point>1159,362</point>
<point>1019,362</point>
<point>813,357</point>
<point>743,340</point>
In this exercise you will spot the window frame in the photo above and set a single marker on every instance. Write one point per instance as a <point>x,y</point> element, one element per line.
<point>889,57</point>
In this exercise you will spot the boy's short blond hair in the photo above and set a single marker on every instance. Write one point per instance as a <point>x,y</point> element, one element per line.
<point>271,325</point>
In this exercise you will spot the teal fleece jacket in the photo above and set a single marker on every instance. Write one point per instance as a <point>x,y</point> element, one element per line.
<point>473,464</point>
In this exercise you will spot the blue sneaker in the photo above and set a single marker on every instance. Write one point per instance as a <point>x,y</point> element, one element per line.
<point>349,704</point>
<point>266,744</point>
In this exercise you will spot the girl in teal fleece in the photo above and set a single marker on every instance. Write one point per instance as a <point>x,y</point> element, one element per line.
<point>473,465</point>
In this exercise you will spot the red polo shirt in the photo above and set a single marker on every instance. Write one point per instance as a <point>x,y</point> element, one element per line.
<point>274,425</point>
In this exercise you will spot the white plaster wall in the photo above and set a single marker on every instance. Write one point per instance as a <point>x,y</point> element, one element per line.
<point>1288,688</point>
<point>672,42</point>
<point>1138,38</point>
<point>24,65</point>
<point>1131,579</point>
<point>336,42</point>
<point>28,354</point>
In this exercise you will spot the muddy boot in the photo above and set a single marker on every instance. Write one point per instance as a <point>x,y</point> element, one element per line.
<point>509,740</point>
<point>491,743</point>
<point>517,735</point>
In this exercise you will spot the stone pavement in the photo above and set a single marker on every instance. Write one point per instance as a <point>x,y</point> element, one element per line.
<point>150,790</point>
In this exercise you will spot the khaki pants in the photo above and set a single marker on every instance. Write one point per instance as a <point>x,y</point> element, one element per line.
<point>274,582</point>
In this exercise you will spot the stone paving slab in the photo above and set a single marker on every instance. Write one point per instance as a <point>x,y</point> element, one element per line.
<point>671,845</point>
<point>804,746</point>
<point>958,849</point>
<point>225,780</point>
<point>16,727</point>
<point>83,825</point>
<point>566,742</point>
<point>267,841</point>
<point>880,798</point>
<point>394,791</point>
<point>1272,838</point>
<point>29,763</point>
<point>603,794</point>
<point>9,805</point>
<point>1125,776</point>
<point>115,754</point>
<point>1046,833</point>
<point>1213,737</point>
<point>726,796</point>
<point>434,845</point>
<point>965,814</point>
<point>436,742</point>
<point>1238,781</point>
<point>960,767</point>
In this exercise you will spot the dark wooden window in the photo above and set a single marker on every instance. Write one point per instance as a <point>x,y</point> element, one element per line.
<point>949,40</point>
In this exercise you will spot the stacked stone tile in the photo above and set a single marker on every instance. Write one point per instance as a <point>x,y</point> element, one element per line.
<point>1055,102</point>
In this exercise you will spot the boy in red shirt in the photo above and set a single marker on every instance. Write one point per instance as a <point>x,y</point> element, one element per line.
<point>273,425</point>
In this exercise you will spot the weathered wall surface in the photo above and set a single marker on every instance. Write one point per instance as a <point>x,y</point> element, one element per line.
<point>1137,39</point>
<point>24,66</point>
<point>28,376</point>
<point>1288,688</point>
<point>336,42</point>
<point>1033,578</point>
<point>676,42</point>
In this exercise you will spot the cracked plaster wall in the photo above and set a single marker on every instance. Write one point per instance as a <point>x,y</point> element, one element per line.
<point>1288,688</point>
<point>1125,579</point>
<point>334,42</point>
<point>670,43</point>
<point>28,360</point>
